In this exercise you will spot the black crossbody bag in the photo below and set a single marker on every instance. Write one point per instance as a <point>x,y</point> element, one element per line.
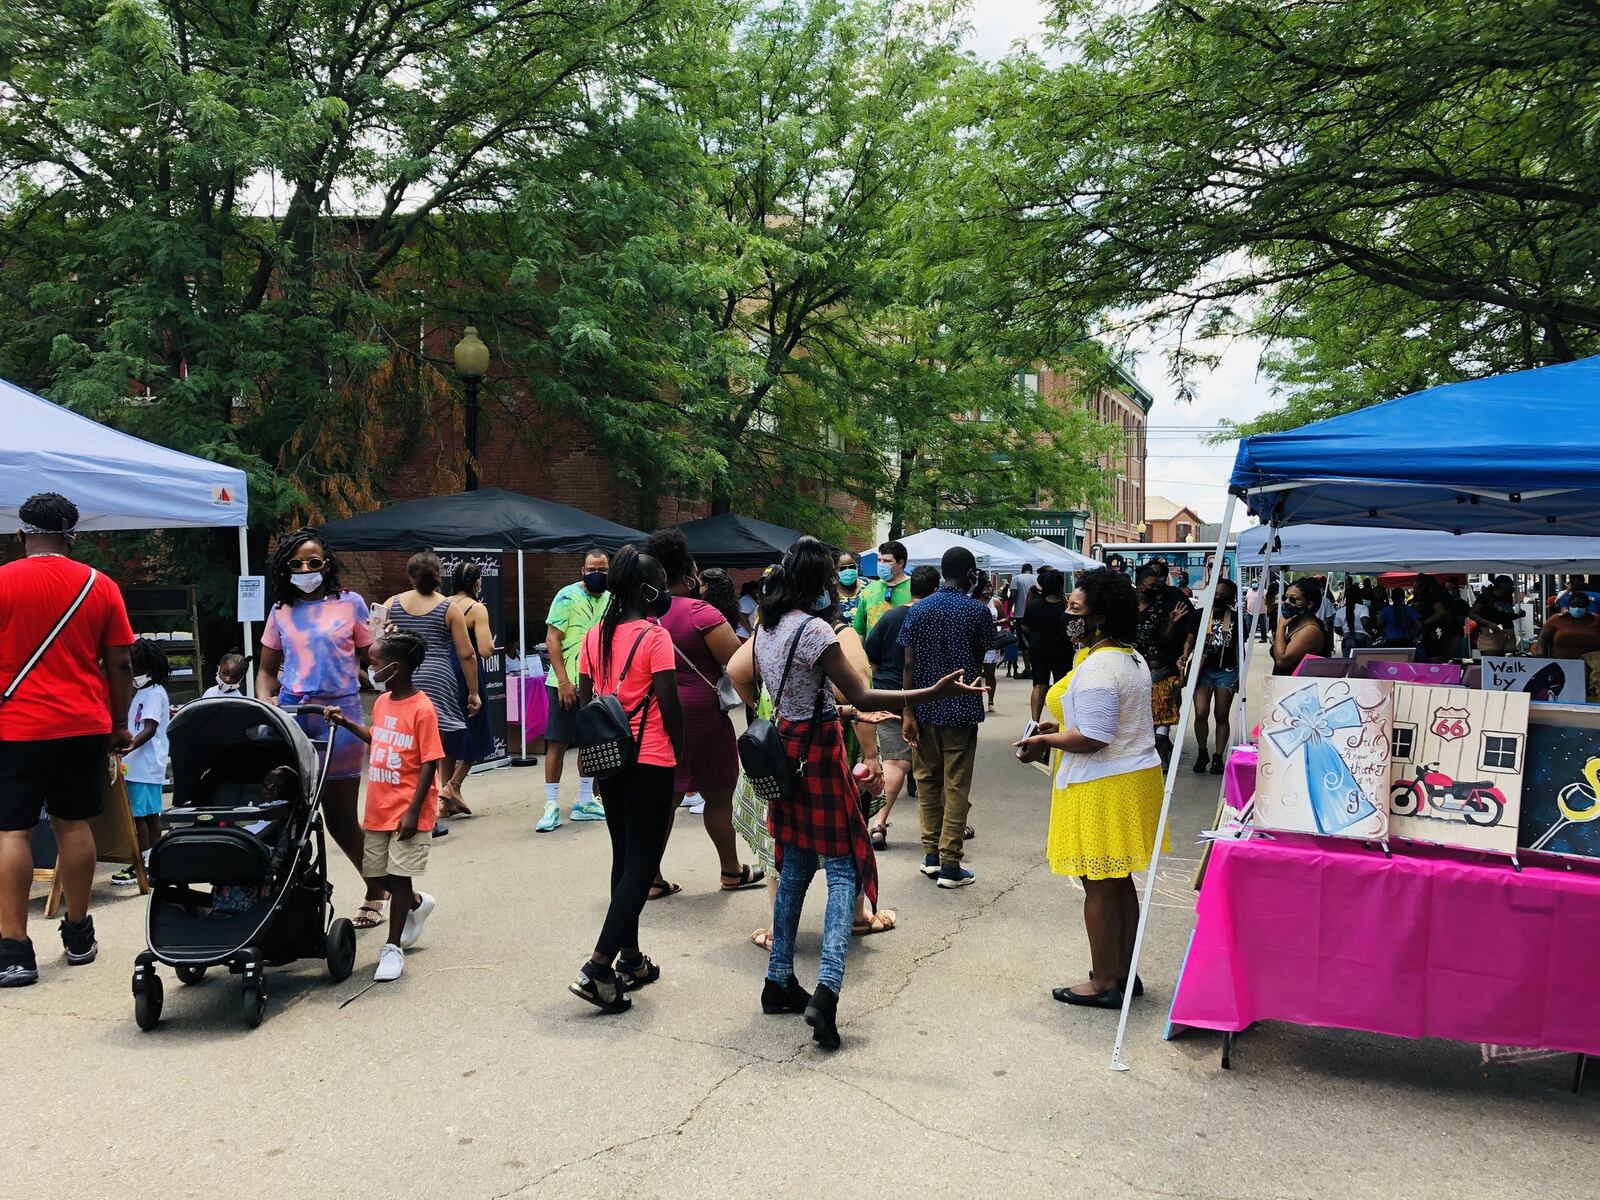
<point>766,763</point>
<point>607,745</point>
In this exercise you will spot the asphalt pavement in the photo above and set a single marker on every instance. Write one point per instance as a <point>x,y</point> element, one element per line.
<point>477,1075</point>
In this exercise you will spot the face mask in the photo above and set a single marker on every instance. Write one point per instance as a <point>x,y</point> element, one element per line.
<point>226,686</point>
<point>822,603</point>
<point>140,680</point>
<point>1291,610</point>
<point>383,680</point>
<point>659,603</point>
<point>1076,629</point>
<point>309,582</point>
<point>848,576</point>
<point>1579,611</point>
<point>595,581</point>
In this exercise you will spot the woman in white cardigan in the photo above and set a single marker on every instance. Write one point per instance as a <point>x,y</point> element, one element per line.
<point>1107,784</point>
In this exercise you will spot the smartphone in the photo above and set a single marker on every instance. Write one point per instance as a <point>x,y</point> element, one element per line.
<point>1028,730</point>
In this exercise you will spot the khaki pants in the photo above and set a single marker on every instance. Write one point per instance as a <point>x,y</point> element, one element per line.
<point>943,760</point>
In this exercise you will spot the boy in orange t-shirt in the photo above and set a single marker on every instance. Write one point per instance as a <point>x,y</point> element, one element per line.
<point>402,793</point>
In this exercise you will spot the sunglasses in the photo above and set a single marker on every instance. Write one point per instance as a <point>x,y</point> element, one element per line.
<point>307,564</point>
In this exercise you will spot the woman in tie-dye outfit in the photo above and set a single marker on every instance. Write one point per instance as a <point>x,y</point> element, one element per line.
<point>313,652</point>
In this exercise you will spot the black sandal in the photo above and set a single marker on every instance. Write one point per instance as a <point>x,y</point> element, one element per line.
<point>745,877</point>
<point>635,975</point>
<point>601,987</point>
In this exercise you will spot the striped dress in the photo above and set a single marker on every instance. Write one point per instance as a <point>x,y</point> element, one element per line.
<point>437,675</point>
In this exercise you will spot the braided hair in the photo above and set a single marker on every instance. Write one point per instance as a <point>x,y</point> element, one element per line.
<point>146,657</point>
<point>629,574</point>
<point>285,593</point>
<point>404,646</point>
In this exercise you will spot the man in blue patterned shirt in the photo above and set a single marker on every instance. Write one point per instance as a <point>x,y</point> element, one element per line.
<point>946,632</point>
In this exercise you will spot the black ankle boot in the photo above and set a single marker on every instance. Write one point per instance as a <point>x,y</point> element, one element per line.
<point>820,1015</point>
<point>785,998</point>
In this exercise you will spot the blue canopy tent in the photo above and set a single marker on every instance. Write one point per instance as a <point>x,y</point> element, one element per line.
<point>1485,456</point>
<point>1490,456</point>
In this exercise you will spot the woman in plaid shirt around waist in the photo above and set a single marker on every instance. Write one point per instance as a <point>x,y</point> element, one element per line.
<point>823,819</point>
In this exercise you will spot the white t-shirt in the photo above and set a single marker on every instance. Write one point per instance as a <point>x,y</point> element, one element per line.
<point>1108,699</point>
<point>1325,609</point>
<point>1360,615</point>
<point>148,764</point>
<point>1021,585</point>
<point>747,606</point>
<point>216,689</point>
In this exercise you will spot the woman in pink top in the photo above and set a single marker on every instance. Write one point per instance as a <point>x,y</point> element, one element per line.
<point>630,656</point>
<point>703,642</point>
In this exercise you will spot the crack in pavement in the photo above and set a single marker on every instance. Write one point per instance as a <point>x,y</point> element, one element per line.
<point>669,1131</point>
<point>946,942</point>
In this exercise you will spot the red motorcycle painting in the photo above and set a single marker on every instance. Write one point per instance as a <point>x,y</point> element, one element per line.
<point>1480,803</point>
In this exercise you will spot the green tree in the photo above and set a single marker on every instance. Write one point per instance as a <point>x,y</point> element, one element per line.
<point>1395,194</point>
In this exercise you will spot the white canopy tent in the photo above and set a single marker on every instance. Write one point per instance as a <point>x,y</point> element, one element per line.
<point>1369,551</point>
<point>117,480</point>
<point>1062,558</point>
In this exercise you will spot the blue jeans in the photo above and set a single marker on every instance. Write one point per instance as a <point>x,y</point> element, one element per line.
<point>798,868</point>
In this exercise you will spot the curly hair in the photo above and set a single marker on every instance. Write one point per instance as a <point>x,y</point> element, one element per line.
<point>717,591</point>
<point>671,549</point>
<point>285,593</point>
<point>50,511</point>
<point>1109,595</point>
<point>402,645</point>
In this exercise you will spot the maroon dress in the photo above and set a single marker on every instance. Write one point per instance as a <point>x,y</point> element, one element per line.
<point>710,759</point>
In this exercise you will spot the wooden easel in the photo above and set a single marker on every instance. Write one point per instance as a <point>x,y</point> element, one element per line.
<point>115,841</point>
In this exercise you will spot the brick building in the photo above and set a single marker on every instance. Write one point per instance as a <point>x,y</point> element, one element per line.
<point>1125,404</point>
<point>1168,521</point>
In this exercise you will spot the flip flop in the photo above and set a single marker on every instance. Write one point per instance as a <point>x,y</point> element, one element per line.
<point>369,915</point>
<point>746,877</point>
<point>660,891</point>
<point>879,922</point>
<point>880,837</point>
<point>762,939</point>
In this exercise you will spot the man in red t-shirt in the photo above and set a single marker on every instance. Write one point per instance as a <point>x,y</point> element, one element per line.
<point>59,725</point>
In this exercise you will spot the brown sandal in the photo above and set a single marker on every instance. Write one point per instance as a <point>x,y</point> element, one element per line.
<point>762,939</point>
<point>879,922</point>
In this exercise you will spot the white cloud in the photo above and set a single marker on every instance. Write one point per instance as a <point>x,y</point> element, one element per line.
<point>997,24</point>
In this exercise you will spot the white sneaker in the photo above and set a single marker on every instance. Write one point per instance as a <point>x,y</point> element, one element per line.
<point>690,799</point>
<point>415,920</point>
<point>699,805</point>
<point>391,961</point>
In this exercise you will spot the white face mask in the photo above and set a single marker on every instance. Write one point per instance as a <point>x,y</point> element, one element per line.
<point>140,680</point>
<point>309,582</point>
<point>226,686</point>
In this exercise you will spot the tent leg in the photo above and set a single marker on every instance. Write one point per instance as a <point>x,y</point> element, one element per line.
<point>522,647</point>
<point>1207,598</point>
<point>249,626</point>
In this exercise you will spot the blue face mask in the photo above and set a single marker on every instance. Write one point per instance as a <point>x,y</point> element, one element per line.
<point>822,603</point>
<point>1579,611</point>
<point>848,576</point>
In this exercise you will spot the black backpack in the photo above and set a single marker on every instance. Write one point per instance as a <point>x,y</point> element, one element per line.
<point>607,745</point>
<point>766,763</point>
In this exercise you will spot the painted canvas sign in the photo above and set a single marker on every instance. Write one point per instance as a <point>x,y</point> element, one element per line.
<point>1561,796</point>
<point>1558,679</point>
<point>1459,759</point>
<point>1324,757</point>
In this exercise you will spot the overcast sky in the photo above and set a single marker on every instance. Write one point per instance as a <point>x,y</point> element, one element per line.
<point>1181,466</point>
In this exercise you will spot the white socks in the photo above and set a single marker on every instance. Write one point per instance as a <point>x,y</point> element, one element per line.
<point>552,793</point>
<point>585,789</point>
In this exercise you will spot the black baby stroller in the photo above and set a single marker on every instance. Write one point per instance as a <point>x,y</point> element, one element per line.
<point>240,880</point>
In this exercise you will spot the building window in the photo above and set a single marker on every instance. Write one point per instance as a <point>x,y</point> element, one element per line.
<point>1403,742</point>
<point>1501,752</point>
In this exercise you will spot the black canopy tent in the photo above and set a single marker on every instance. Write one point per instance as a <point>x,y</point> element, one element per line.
<point>482,521</point>
<point>729,540</point>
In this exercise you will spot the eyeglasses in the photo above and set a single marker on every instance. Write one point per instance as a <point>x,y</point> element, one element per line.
<point>307,564</point>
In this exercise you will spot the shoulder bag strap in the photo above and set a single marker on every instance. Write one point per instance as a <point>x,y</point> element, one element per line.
<point>787,663</point>
<point>49,638</point>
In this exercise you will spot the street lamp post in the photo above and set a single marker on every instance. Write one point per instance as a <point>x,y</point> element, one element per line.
<point>472,364</point>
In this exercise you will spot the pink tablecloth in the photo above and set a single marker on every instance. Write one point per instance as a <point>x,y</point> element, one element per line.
<point>1432,944</point>
<point>1239,777</point>
<point>528,693</point>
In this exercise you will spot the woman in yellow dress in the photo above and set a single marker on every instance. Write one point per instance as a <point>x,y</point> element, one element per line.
<point>1105,801</point>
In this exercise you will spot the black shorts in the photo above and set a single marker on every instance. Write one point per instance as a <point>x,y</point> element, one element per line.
<point>1048,670</point>
<point>65,776</point>
<point>562,724</point>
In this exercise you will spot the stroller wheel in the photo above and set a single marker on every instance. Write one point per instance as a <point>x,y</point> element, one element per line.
<point>147,1003</point>
<point>341,949</point>
<point>190,974</point>
<point>255,1006</point>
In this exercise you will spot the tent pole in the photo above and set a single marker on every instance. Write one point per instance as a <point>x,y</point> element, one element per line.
<point>249,626</point>
<point>522,654</point>
<point>1187,710</point>
<point>1243,704</point>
